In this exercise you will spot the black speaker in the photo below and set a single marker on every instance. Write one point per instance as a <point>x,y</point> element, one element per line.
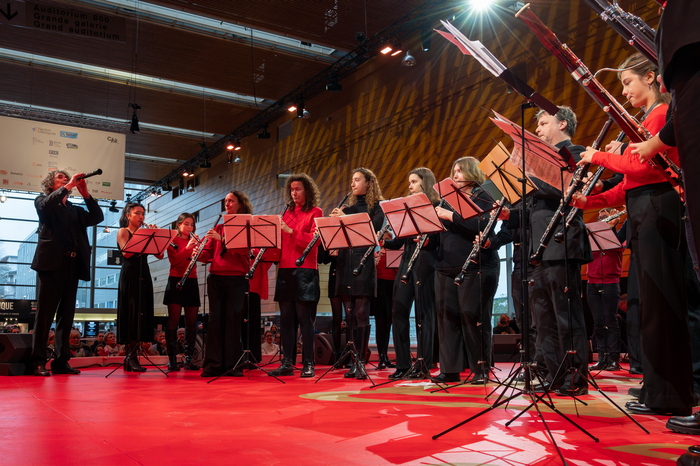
<point>15,368</point>
<point>324,349</point>
<point>15,347</point>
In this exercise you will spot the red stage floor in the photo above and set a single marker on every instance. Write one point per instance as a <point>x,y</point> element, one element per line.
<point>150,419</point>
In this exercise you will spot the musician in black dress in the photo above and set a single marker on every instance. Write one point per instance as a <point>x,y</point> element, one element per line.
<point>550,278</point>
<point>179,255</point>
<point>135,295</point>
<point>357,291</point>
<point>464,312</point>
<point>419,289</point>
<point>62,258</point>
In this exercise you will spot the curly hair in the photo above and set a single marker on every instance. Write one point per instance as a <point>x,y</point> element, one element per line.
<point>640,65</point>
<point>124,219</point>
<point>374,192</point>
<point>184,216</point>
<point>47,183</point>
<point>427,182</point>
<point>246,207</point>
<point>470,169</point>
<point>313,194</point>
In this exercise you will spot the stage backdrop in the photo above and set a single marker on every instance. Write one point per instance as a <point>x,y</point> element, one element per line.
<point>31,149</point>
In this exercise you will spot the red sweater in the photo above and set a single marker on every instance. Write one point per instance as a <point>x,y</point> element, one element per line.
<point>611,270</point>
<point>636,173</point>
<point>234,261</point>
<point>180,258</point>
<point>382,272</point>
<point>293,245</point>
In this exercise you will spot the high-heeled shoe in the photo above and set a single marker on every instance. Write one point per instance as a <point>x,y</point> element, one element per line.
<point>131,364</point>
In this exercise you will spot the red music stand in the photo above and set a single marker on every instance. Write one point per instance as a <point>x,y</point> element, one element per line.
<point>393,258</point>
<point>602,237</point>
<point>146,241</point>
<point>411,216</point>
<point>458,199</point>
<point>346,231</point>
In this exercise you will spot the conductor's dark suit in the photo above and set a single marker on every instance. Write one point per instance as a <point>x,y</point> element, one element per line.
<point>62,258</point>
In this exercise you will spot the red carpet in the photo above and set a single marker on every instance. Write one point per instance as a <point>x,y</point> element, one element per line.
<point>150,419</point>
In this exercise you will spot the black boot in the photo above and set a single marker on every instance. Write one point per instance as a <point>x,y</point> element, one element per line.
<point>613,362</point>
<point>285,368</point>
<point>190,339</point>
<point>131,361</point>
<point>382,362</point>
<point>308,370</point>
<point>170,338</point>
<point>601,364</point>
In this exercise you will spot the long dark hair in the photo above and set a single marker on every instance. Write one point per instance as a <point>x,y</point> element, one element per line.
<point>374,192</point>
<point>246,206</point>
<point>124,219</point>
<point>184,216</point>
<point>427,182</point>
<point>313,194</point>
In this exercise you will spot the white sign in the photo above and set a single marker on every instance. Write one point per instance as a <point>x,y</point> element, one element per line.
<point>31,149</point>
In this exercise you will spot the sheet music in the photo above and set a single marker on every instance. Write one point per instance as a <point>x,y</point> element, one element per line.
<point>473,48</point>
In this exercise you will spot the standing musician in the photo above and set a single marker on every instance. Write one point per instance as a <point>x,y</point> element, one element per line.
<point>298,290</point>
<point>227,287</point>
<point>357,291</point>
<point>603,295</point>
<point>179,255</point>
<point>259,291</point>
<point>548,296</point>
<point>420,289</point>
<point>381,307</point>
<point>62,258</point>
<point>135,295</point>
<point>464,312</point>
<point>658,242</point>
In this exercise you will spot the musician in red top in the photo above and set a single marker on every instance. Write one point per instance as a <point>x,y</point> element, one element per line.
<point>226,286</point>
<point>298,290</point>
<point>658,242</point>
<point>179,255</point>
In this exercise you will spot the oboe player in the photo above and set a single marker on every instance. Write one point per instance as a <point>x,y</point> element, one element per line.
<point>420,289</point>
<point>298,290</point>
<point>548,297</point>
<point>357,291</point>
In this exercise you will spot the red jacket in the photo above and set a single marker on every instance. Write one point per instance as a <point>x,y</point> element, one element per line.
<point>180,258</point>
<point>234,262</point>
<point>636,173</point>
<point>293,245</point>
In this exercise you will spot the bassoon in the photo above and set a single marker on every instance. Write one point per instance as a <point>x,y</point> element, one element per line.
<point>631,127</point>
<point>299,262</point>
<point>193,261</point>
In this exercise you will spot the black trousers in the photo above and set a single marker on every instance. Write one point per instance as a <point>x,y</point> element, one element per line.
<point>303,312</point>
<point>602,300</point>
<point>464,319</point>
<point>692,288</point>
<point>551,309</point>
<point>658,242</point>
<point>337,310</point>
<point>250,325</point>
<point>382,315</point>
<point>226,308</point>
<point>56,293</point>
<point>422,292</point>
<point>634,341</point>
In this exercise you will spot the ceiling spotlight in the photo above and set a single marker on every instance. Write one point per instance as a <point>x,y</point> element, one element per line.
<point>190,189</point>
<point>159,193</point>
<point>426,36</point>
<point>229,146</point>
<point>113,207</point>
<point>238,159</point>
<point>153,194</point>
<point>292,108</point>
<point>334,86</point>
<point>396,50</point>
<point>205,164</point>
<point>481,5</point>
<point>264,134</point>
<point>185,174</point>
<point>106,230</point>
<point>386,49</point>
<point>167,188</point>
<point>305,114</point>
<point>300,109</point>
<point>408,60</point>
<point>236,145</point>
<point>3,198</point>
<point>134,128</point>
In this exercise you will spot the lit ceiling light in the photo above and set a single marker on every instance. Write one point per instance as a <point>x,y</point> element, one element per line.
<point>185,174</point>
<point>408,60</point>
<point>3,198</point>
<point>397,50</point>
<point>481,5</point>
<point>292,108</point>
<point>386,50</point>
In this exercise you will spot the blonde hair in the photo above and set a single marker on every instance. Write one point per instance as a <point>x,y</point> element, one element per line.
<point>470,169</point>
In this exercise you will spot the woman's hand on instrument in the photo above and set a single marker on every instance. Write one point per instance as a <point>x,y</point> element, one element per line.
<point>194,241</point>
<point>477,240</point>
<point>444,213</point>
<point>337,212</point>
<point>214,235</point>
<point>285,227</point>
<point>598,187</point>
<point>587,157</point>
<point>505,214</point>
<point>614,147</point>
<point>648,149</point>
<point>579,201</point>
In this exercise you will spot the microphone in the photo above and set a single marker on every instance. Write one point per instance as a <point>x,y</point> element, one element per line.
<point>88,175</point>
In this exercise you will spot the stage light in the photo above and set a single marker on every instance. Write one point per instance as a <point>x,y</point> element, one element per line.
<point>3,198</point>
<point>481,5</point>
<point>238,159</point>
<point>190,189</point>
<point>386,49</point>
<point>185,174</point>
<point>264,134</point>
<point>292,108</point>
<point>229,156</point>
<point>153,194</point>
<point>305,114</point>
<point>113,207</point>
<point>397,50</point>
<point>134,128</point>
<point>205,164</point>
<point>408,60</point>
<point>106,230</point>
<point>334,86</point>
<point>426,36</point>
<point>229,146</point>
<point>236,145</point>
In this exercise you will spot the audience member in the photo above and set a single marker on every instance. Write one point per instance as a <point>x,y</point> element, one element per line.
<point>78,349</point>
<point>180,343</point>
<point>269,346</point>
<point>111,348</point>
<point>159,345</point>
<point>503,327</point>
<point>50,345</point>
<point>99,340</point>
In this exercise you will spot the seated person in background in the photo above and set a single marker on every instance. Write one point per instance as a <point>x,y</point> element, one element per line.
<point>159,345</point>
<point>78,348</point>
<point>278,339</point>
<point>274,329</point>
<point>50,345</point>
<point>180,344</point>
<point>99,350</point>
<point>148,349</point>
<point>99,340</point>
<point>269,346</point>
<point>502,326</point>
<point>16,330</point>
<point>111,347</point>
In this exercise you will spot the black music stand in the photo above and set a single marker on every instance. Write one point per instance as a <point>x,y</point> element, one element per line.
<point>146,241</point>
<point>347,232</point>
<point>247,231</point>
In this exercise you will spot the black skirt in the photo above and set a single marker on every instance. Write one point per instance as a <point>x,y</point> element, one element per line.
<point>188,296</point>
<point>297,285</point>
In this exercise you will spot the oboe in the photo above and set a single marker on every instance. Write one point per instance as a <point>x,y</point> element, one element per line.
<point>631,127</point>
<point>259,257</point>
<point>414,256</point>
<point>575,185</point>
<point>370,250</point>
<point>474,254</point>
<point>299,262</point>
<point>193,261</point>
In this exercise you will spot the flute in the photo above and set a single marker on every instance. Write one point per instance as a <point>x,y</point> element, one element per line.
<point>370,250</point>
<point>613,216</point>
<point>473,255</point>
<point>258,258</point>
<point>299,262</point>
<point>576,182</point>
<point>193,261</point>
